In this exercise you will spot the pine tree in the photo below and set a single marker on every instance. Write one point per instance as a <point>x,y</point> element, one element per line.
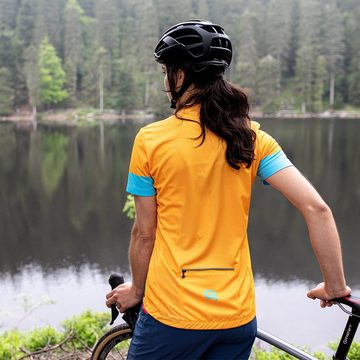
<point>245,53</point>
<point>334,45</point>
<point>52,76</point>
<point>319,83</point>
<point>310,31</point>
<point>268,83</point>
<point>305,75</point>
<point>25,23</point>
<point>7,94</point>
<point>32,76</point>
<point>97,78</point>
<point>278,31</point>
<point>353,56</point>
<point>293,39</point>
<point>202,10</point>
<point>7,15</point>
<point>107,17</point>
<point>125,94</point>
<point>73,44</point>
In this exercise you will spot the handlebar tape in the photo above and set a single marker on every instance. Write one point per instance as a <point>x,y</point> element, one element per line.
<point>130,316</point>
<point>114,281</point>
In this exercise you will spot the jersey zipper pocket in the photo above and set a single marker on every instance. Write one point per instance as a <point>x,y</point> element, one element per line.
<point>204,269</point>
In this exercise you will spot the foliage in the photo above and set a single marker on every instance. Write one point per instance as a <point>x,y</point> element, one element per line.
<point>52,76</point>
<point>40,338</point>
<point>83,330</point>
<point>354,352</point>
<point>6,92</point>
<point>55,160</point>
<point>87,327</point>
<point>106,48</point>
<point>10,342</point>
<point>129,207</point>
<point>276,354</point>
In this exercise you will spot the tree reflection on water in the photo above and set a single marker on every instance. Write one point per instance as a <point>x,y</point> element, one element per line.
<point>62,190</point>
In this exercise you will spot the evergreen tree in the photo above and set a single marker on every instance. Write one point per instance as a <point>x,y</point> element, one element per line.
<point>97,78</point>
<point>40,28</point>
<point>73,44</point>
<point>334,45</point>
<point>172,12</point>
<point>52,76</point>
<point>32,76</point>
<point>268,83</point>
<point>7,94</point>
<point>246,53</point>
<point>319,82</point>
<point>293,38</point>
<point>7,15</point>
<point>124,88</point>
<point>278,31</point>
<point>305,76</point>
<point>353,63</point>
<point>106,44</point>
<point>25,23</point>
<point>202,9</point>
<point>310,31</point>
<point>107,17</point>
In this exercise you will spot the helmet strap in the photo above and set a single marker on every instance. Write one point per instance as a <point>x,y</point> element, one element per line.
<point>173,103</point>
<point>176,95</point>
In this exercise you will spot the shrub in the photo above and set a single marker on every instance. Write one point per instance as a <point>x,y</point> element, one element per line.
<point>87,327</point>
<point>40,338</point>
<point>10,343</point>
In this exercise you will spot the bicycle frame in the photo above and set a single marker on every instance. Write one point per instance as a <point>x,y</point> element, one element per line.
<point>344,345</point>
<point>283,345</point>
<point>341,352</point>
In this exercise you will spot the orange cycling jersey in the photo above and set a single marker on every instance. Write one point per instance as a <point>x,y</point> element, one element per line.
<point>200,274</point>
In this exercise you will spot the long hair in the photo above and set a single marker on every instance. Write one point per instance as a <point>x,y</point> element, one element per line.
<point>224,110</point>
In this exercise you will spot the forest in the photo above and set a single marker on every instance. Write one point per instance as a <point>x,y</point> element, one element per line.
<point>299,55</point>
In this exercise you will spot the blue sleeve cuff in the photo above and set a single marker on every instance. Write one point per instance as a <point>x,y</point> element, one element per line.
<point>140,185</point>
<point>272,164</point>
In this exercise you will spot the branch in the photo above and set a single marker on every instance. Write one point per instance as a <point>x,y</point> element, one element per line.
<point>37,352</point>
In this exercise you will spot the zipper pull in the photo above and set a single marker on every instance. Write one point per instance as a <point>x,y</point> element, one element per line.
<point>183,274</point>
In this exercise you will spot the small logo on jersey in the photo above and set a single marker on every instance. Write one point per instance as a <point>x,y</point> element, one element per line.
<point>211,295</point>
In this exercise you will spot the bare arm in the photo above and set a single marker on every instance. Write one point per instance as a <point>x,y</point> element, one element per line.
<point>322,231</point>
<point>142,241</point>
<point>140,250</point>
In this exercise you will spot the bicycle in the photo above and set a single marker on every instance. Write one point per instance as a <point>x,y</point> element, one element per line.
<point>115,343</point>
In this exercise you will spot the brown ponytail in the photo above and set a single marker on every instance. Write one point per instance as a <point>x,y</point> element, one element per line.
<point>224,111</point>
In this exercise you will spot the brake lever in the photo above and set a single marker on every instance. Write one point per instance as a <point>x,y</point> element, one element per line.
<point>131,315</point>
<point>114,281</point>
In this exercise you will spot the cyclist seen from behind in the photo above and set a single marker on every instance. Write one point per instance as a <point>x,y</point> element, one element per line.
<point>192,176</point>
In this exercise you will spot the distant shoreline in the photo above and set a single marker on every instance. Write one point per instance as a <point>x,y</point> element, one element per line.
<point>72,117</point>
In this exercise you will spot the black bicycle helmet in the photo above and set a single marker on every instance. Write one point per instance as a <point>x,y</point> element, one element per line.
<point>201,43</point>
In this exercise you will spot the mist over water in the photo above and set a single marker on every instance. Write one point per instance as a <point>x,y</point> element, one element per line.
<point>62,230</point>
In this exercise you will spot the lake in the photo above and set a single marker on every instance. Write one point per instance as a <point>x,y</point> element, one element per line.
<point>62,229</point>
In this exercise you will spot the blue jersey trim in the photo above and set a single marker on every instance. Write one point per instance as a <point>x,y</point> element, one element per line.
<point>140,185</point>
<point>272,164</point>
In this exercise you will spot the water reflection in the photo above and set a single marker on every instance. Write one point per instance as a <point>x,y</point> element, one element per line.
<point>75,289</point>
<point>282,232</point>
<point>61,199</point>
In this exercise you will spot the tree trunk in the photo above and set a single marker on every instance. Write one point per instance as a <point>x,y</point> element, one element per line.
<point>101,90</point>
<point>332,89</point>
<point>147,86</point>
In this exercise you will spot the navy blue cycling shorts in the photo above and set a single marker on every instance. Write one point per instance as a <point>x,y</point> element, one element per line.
<point>154,340</point>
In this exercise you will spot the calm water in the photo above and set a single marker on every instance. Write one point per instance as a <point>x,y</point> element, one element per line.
<point>62,229</point>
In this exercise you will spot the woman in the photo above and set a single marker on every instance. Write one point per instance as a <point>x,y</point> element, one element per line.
<point>192,175</point>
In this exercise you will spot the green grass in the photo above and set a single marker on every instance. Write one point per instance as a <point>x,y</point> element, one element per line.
<point>83,331</point>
